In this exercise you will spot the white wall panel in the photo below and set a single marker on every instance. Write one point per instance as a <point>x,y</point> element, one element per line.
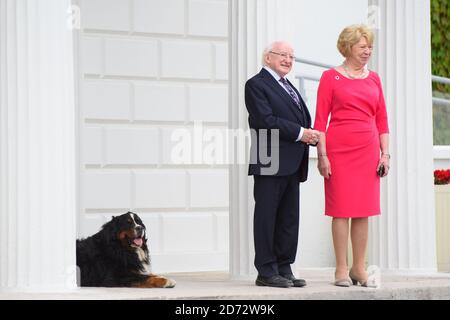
<point>208,18</point>
<point>190,232</point>
<point>92,145</point>
<point>91,224</point>
<point>147,69</point>
<point>209,188</point>
<point>91,55</point>
<point>160,102</point>
<point>153,225</point>
<point>106,190</point>
<point>159,16</point>
<point>160,189</point>
<point>105,100</point>
<point>131,146</point>
<point>221,61</point>
<point>190,261</point>
<point>186,59</point>
<point>222,231</point>
<point>131,57</point>
<point>105,14</point>
<point>208,103</point>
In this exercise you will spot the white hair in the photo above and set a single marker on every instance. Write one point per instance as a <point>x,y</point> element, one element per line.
<point>266,52</point>
<point>270,48</point>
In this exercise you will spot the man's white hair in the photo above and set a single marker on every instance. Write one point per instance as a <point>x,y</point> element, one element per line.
<point>266,52</point>
<point>270,48</point>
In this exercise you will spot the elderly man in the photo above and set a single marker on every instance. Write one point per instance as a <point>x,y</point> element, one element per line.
<point>280,124</point>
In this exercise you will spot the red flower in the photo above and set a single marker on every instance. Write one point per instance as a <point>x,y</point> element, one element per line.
<point>441,176</point>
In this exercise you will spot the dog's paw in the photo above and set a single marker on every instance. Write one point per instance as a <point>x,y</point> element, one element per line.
<point>170,283</point>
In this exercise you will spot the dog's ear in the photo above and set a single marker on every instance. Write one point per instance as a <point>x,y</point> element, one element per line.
<point>110,230</point>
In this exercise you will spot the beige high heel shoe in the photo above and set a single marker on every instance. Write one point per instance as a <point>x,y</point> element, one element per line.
<point>342,282</point>
<point>362,282</point>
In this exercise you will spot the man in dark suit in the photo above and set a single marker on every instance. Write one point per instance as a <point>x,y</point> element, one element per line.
<point>280,125</point>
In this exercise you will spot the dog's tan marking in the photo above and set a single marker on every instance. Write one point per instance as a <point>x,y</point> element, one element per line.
<point>153,281</point>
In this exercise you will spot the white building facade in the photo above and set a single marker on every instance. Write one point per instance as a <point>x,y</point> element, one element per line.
<point>147,69</point>
<point>79,145</point>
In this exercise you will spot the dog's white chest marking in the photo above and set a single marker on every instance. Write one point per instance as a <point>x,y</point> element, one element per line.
<point>145,264</point>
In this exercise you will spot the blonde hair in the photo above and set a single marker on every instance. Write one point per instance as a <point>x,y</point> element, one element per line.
<point>351,35</point>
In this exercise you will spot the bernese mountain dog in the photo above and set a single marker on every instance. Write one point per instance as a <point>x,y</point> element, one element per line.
<point>118,256</point>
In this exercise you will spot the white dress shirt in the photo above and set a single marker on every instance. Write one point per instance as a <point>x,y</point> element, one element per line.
<point>277,78</point>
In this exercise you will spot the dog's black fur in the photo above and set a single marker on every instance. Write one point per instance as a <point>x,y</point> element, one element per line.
<point>118,256</point>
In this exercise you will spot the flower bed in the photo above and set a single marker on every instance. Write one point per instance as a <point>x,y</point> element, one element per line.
<point>442,196</point>
<point>441,176</point>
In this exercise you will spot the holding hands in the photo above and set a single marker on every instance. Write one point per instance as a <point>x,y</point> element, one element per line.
<point>310,136</point>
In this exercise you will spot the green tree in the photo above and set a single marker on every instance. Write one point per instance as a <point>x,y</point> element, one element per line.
<point>440,41</point>
<point>440,66</point>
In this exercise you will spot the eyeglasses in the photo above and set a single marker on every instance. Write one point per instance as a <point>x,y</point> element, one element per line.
<point>283,55</point>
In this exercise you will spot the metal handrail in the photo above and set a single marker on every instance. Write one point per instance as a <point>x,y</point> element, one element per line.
<point>440,100</point>
<point>440,79</point>
<point>302,77</point>
<point>445,102</point>
<point>313,63</point>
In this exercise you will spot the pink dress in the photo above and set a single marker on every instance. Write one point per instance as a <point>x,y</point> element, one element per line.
<point>358,117</point>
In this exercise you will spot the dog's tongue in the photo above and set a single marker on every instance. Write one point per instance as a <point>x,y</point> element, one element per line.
<point>138,242</point>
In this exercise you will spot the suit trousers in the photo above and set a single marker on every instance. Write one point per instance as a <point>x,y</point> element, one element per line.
<point>276,223</point>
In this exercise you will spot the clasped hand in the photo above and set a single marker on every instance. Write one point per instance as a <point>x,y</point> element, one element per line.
<point>310,136</point>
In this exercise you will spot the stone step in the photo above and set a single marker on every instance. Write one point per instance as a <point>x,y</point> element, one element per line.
<point>217,285</point>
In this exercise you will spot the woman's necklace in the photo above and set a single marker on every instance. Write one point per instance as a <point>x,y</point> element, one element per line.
<point>350,75</point>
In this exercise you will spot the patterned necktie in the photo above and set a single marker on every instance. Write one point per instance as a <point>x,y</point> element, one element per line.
<point>291,92</point>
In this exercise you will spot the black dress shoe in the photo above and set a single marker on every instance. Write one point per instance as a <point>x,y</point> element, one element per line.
<point>295,281</point>
<point>274,281</point>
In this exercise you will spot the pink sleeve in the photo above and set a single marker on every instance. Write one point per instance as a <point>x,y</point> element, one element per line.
<point>381,115</point>
<point>323,106</point>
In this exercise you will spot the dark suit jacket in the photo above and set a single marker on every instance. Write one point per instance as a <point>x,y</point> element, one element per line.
<point>271,107</point>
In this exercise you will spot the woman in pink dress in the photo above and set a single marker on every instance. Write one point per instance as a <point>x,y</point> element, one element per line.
<point>352,148</point>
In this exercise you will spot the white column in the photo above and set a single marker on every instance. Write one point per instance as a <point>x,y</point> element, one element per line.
<point>403,238</point>
<point>37,146</point>
<point>253,24</point>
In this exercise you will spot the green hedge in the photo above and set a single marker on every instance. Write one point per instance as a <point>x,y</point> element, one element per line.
<point>440,41</point>
<point>440,65</point>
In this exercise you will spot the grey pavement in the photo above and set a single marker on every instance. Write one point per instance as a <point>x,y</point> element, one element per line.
<point>217,285</point>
